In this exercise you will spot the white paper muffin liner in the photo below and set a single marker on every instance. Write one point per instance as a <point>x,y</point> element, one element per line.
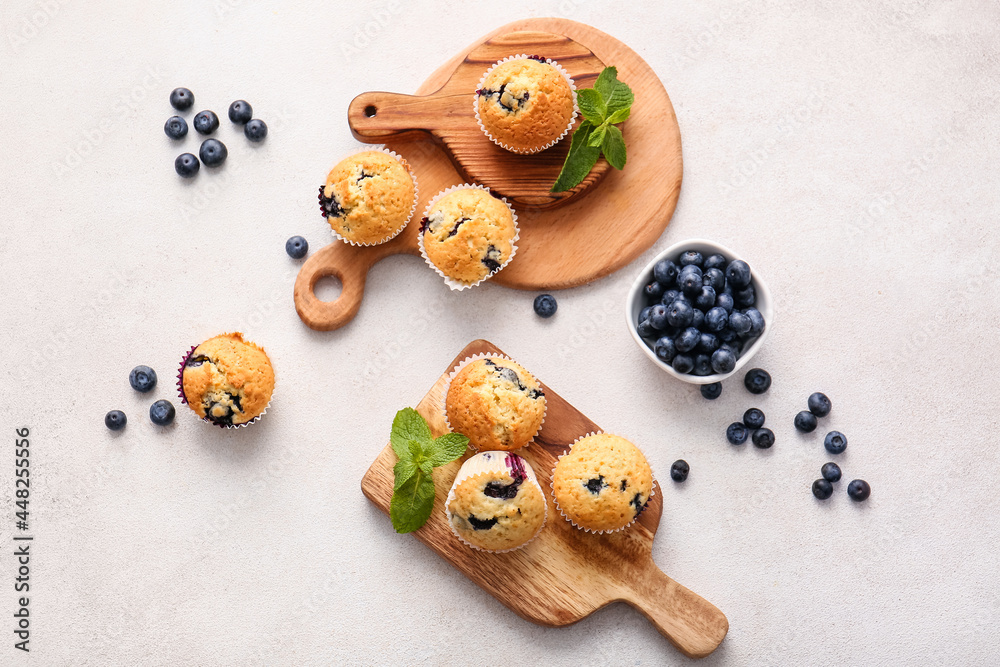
<point>184,401</point>
<point>452,283</point>
<point>416,197</point>
<point>521,151</point>
<point>488,462</point>
<point>465,362</point>
<point>552,483</point>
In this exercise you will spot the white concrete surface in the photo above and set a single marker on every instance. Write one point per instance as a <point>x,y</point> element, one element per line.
<point>849,150</point>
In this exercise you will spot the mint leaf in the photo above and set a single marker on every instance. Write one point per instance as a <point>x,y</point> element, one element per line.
<point>447,448</point>
<point>597,136</point>
<point>579,161</point>
<point>403,471</point>
<point>621,98</point>
<point>606,83</point>
<point>418,452</point>
<point>591,105</point>
<point>613,147</point>
<point>408,426</point>
<point>619,116</point>
<point>412,503</point>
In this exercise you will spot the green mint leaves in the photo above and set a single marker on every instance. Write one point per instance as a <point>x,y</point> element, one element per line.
<point>418,453</point>
<point>605,105</point>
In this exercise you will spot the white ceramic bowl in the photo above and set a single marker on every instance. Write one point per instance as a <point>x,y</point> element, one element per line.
<point>636,302</point>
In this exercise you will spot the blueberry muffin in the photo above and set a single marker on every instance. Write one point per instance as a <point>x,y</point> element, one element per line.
<point>368,198</point>
<point>603,483</point>
<point>496,503</point>
<point>525,104</point>
<point>468,235</point>
<point>495,403</point>
<point>227,380</point>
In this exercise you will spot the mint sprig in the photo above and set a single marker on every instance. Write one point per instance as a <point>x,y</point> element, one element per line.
<point>605,105</point>
<point>418,453</point>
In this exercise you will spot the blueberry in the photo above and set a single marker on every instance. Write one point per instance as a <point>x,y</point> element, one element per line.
<point>645,330</point>
<point>687,340</point>
<point>757,381</point>
<point>644,314</point>
<point>162,412</point>
<point>805,421</point>
<point>186,165</point>
<point>859,490</point>
<point>665,349</point>
<point>763,438</point>
<point>737,433</point>
<point>679,470</point>
<point>296,247</point>
<point>705,299</point>
<point>715,262</point>
<point>683,363</point>
<point>658,317</point>
<point>702,365</point>
<point>255,130</point>
<point>175,127</point>
<point>240,112</point>
<point>714,278</point>
<point>819,404</point>
<point>653,290</point>
<point>738,273</point>
<point>822,489</point>
<point>757,323</point>
<point>698,322</point>
<point>545,305</point>
<point>680,314</point>
<point>690,281</point>
<point>723,360</point>
<point>708,343</point>
<point>835,442</point>
<point>727,335</point>
<point>732,348</point>
<point>739,323</point>
<point>669,296</point>
<point>745,297</point>
<point>181,99</point>
<point>711,391</point>
<point>213,152</point>
<point>665,272</point>
<point>725,301</point>
<point>691,258</point>
<point>142,378</point>
<point>206,122</point>
<point>753,418</point>
<point>830,472</point>
<point>716,319</point>
<point>115,420</point>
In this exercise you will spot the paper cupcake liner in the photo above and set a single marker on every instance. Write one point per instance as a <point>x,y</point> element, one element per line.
<point>416,198</point>
<point>184,401</point>
<point>552,484</point>
<point>497,464</point>
<point>458,368</point>
<point>521,151</point>
<point>454,284</point>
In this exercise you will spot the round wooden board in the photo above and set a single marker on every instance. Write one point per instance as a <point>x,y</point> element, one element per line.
<point>576,243</point>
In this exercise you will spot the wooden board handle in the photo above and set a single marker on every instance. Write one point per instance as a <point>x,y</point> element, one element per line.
<point>377,117</point>
<point>691,623</point>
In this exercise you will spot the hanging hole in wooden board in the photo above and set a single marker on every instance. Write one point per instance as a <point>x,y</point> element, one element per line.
<point>328,288</point>
<point>370,111</point>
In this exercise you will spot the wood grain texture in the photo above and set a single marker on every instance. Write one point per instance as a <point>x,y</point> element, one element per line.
<point>565,574</point>
<point>578,242</point>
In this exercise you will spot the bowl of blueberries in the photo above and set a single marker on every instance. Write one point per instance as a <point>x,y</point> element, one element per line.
<point>699,311</point>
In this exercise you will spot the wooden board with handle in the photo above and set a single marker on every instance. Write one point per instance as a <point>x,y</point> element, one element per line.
<point>580,240</point>
<point>565,574</point>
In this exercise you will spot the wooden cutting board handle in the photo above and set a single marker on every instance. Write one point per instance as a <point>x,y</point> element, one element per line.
<point>691,623</point>
<point>378,117</point>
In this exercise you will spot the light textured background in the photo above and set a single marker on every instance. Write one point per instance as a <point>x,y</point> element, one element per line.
<point>847,149</point>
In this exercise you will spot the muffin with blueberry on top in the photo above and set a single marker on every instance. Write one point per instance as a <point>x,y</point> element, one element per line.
<point>227,380</point>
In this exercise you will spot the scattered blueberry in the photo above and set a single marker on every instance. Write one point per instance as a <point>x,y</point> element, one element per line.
<point>859,490</point>
<point>763,438</point>
<point>683,363</point>
<point>835,442</point>
<point>206,122</point>
<point>161,412</point>
<point>738,273</point>
<point>822,489</point>
<point>181,99</point>
<point>819,404</point>
<point>757,381</point>
<point>830,472</point>
<point>186,165</point>
<point>545,305</point>
<point>142,378</point>
<point>805,421</point>
<point>711,391</point>
<point>175,127</point>
<point>753,418</point>
<point>240,112</point>
<point>665,272</point>
<point>115,420</point>
<point>723,360</point>
<point>255,130</point>
<point>702,365</point>
<point>691,257</point>
<point>737,433</point>
<point>213,152</point>
<point>297,247</point>
<point>679,470</point>
<point>715,262</point>
<point>687,340</point>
